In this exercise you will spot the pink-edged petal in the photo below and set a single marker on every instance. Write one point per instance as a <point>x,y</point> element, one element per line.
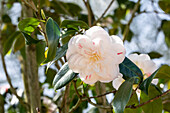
<point>117,82</point>
<point>89,78</point>
<point>118,52</point>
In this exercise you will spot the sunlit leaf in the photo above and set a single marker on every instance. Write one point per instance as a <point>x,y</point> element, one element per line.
<point>63,77</point>
<point>28,25</point>
<point>123,96</point>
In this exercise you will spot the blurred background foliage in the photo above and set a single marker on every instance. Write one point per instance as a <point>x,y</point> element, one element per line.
<point>147,30</point>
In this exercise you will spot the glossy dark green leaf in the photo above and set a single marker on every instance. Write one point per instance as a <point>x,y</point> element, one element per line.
<point>152,107</point>
<point>133,101</point>
<point>8,43</point>
<point>165,5</point>
<point>40,50</point>
<point>123,96</point>
<point>154,54</point>
<point>74,24</point>
<point>67,36</point>
<point>129,69</point>
<point>28,25</point>
<point>53,35</point>
<point>144,86</point>
<point>63,77</point>
<point>19,43</point>
<point>60,53</point>
<point>29,40</point>
<point>164,73</point>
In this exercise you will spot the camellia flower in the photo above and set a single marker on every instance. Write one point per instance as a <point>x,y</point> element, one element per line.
<point>95,55</point>
<point>146,65</point>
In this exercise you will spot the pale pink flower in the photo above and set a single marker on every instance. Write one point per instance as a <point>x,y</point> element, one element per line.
<point>146,65</point>
<point>95,55</point>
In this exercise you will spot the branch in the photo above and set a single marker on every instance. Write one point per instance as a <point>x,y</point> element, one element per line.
<point>76,106</point>
<point>100,95</point>
<point>99,106</point>
<point>31,5</point>
<point>125,34</point>
<point>75,87</point>
<point>90,12</point>
<point>26,105</point>
<point>104,12</point>
<point>151,100</point>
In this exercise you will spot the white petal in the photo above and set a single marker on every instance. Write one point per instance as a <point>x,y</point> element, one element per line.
<point>117,82</point>
<point>144,56</point>
<point>155,81</point>
<point>97,32</point>
<point>134,57</point>
<point>148,66</point>
<point>116,39</point>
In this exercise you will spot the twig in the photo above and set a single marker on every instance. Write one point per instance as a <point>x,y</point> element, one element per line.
<point>125,33</point>
<point>76,106</point>
<point>151,100</point>
<point>103,13</point>
<point>75,87</point>
<point>99,106</point>
<point>100,95</point>
<point>26,105</point>
<point>31,5</point>
<point>90,12</point>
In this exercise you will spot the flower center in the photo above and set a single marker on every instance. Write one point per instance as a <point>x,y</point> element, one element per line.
<point>94,57</point>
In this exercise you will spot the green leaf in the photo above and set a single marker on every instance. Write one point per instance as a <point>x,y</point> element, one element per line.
<point>164,73</point>
<point>133,101</point>
<point>53,35</point>
<point>8,43</point>
<point>6,18</point>
<point>67,36</point>
<point>63,77</point>
<point>166,102</point>
<point>29,40</point>
<point>165,28</point>
<point>144,86</point>
<point>28,25</point>
<point>165,5</point>
<point>40,50</point>
<point>19,43</point>
<point>123,95</point>
<point>129,69</point>
<point>93,110</point>
<point>154,54</point>
<point>152,107</point>
<point>50,76</point>
<point>60,53</point>
<point>74,24</point>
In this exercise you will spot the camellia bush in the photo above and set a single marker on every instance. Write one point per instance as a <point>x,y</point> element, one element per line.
<point>88,55</point>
